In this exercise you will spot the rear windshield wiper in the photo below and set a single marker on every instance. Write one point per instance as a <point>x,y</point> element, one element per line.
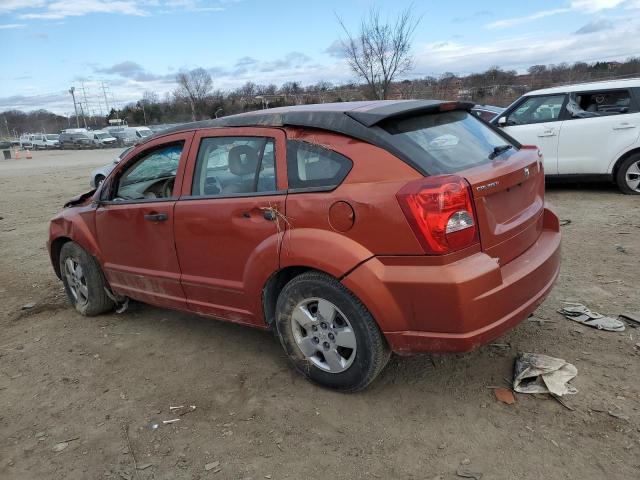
<point>499,150</point>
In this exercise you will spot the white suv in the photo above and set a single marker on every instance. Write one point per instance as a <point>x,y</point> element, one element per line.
<point>590,130</point>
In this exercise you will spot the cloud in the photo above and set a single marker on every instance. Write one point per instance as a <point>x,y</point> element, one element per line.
<point>56,9</point>
<point>581,6</point>
<point>473,17</point>
<point>132,71</point>
<point>10,26</point>
<point>521,52</point>
<point>512,22</point>
<point>335,50</point>
<point>7,6</point>
<point>593,6</point>
<point>77,8</point>
<point>595,26</point>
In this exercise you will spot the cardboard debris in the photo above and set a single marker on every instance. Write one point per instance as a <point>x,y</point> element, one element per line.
<point>581,314</point>
<point>535,373</point>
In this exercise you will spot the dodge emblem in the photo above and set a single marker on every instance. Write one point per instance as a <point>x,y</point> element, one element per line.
<point>526,172</point>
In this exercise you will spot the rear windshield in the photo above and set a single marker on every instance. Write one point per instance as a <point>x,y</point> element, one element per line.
<point>446,142</point>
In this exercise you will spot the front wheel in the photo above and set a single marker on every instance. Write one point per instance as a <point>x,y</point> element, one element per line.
<point>328,334</point>
<point>83,281</point>
<point>628,175</point>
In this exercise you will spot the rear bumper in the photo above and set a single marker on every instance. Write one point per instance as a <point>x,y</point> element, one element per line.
<point>455,307</point>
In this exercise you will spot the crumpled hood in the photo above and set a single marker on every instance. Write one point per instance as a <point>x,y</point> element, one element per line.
<point>80,199</point>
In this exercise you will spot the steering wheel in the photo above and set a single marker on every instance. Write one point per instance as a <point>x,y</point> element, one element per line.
<point>167,188</point>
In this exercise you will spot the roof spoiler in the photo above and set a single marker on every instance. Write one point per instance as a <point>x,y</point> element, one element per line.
<point>373,116</point>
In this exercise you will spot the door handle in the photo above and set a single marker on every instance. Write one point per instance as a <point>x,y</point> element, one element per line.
<point>623,126</point>
<point>547,133</point>
<point>156,217</point>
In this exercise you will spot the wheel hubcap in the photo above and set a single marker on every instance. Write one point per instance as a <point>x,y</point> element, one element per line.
<point>76,280</point>
<point>633,176</point>
<point>324,335</point>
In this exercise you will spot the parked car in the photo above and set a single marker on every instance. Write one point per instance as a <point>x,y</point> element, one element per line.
<point>129,135</point>
<point>45,140</point>
<point>487,112</point>
<point>100,139</point>
<point>99,174</point>
<point>586,131</point>
<point>75,140</point>
<point>351,229</point>
<point>26,141</point>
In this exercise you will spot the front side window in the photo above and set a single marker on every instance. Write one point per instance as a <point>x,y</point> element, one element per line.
<point>310,165</point>
<point>446,142</point>
<point>537,110</point>
<point>151,176</point>
<point>235,165</point>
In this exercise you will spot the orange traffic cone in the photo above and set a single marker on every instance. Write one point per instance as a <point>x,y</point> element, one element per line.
<point>17,156</point>
<point>29,154</point>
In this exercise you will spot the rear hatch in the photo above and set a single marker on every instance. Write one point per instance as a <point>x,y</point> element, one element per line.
<point>509,201</point>
<point>506,180</point>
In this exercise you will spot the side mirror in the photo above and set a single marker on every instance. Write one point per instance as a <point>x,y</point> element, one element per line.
<point>624,110</point>
<point>502,122</point>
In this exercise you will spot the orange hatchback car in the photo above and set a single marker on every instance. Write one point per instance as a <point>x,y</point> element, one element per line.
<point>351,229</point>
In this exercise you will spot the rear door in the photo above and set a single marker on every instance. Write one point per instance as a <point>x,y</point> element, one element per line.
<point>599,126</point>
<point>135,223</point>
<point>230,220</point>
<point>536,120</point>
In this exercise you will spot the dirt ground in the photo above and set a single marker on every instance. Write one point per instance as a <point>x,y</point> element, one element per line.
<point>101,384</point>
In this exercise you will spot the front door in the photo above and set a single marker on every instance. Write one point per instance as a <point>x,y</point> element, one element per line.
<point>230,221</point>
<point>135,223</point>
<point>537,121</point>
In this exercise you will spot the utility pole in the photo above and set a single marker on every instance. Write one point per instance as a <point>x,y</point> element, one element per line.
<point>72,91</point>
<point>86,105</point>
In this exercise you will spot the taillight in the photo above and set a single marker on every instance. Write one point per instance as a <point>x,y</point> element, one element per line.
<point>440,212</point>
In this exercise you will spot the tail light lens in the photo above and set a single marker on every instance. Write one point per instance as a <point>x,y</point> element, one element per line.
<point>440,212</point>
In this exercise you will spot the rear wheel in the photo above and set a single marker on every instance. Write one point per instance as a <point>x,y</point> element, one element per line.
<point>328,334</point>
<point>83,281</point>
<point>628,175</point>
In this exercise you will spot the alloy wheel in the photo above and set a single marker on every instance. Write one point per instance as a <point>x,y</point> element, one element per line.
<point>76,280</point>
<point>324,335</point>
<point>632,176</point>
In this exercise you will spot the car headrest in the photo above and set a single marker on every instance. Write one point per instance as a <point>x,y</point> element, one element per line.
<point>243,160</point>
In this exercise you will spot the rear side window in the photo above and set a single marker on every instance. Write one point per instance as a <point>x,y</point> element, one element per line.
<point>594,104</point>
<point>445,142</point>
<point>235,165</point>
<point>310,165</point>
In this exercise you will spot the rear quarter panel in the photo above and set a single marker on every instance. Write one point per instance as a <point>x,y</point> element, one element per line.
<point>379,226</point>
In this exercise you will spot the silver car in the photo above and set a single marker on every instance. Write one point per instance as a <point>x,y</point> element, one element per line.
<point>99,174</point>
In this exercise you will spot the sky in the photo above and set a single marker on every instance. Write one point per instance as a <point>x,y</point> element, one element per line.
<point>129,46</point>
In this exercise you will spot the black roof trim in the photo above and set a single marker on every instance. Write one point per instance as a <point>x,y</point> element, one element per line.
<point>355,119</point>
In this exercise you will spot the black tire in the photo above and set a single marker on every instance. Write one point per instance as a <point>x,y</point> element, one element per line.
<point>97,301</point>
<point>621,175</point>
<point>372,352</point>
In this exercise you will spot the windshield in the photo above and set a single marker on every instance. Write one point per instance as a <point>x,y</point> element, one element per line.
<point>52,137</point>
<point>446,142</point>
<point>102,135</point>
<point>144,133</point>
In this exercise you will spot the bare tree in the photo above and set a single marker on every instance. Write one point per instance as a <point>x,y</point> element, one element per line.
<point>195,87</point>
<point>381,50</point>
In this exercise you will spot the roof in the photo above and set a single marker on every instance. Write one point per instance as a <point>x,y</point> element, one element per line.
<point>342,117</point>
<point>578,87</point>
<point>359,120</point>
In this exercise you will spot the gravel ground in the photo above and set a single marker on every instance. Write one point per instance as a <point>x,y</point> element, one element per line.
<point>79,397</point>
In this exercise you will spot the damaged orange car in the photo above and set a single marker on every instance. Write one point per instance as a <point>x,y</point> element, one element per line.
<point>352,230</point>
